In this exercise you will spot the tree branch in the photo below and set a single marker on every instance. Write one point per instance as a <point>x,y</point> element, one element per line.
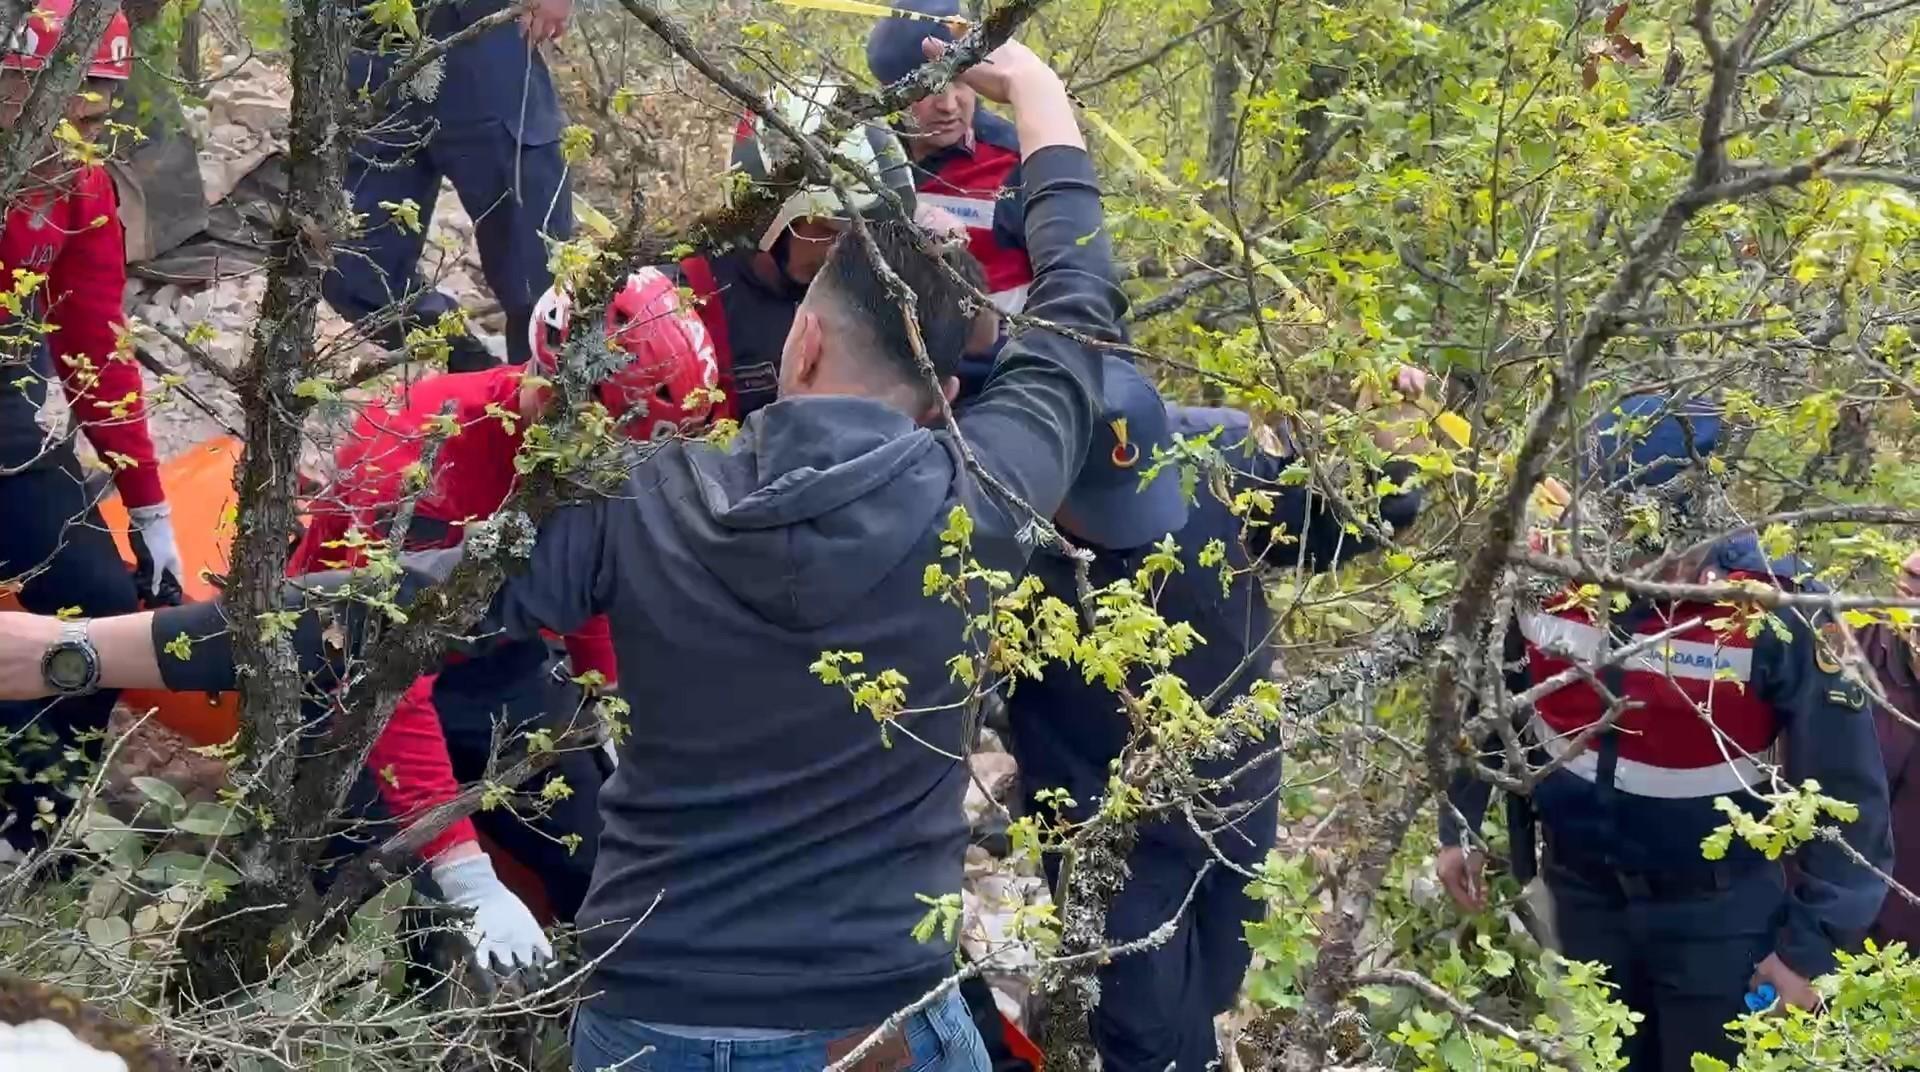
<point>22,143</point>
<point>1435,994</point>
<point>1788,53</point>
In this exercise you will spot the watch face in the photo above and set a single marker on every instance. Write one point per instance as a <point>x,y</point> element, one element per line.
<point>68,668</point>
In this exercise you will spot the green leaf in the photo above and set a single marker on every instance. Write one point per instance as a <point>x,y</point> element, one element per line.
<point>105,834</point>
<point>211,820</point>
<point>109,933</point>
<point>163,793</point>
<point>315,389</point>
<point>169,868</point>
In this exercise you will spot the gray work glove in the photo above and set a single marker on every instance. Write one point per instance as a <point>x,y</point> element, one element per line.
<point>504,934</point>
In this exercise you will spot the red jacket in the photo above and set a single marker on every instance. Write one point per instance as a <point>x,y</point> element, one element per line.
<point>73,237</point>
<point>472,475</point>
<point>979,183</point>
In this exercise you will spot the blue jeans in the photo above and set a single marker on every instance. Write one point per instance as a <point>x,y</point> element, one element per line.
<point>942,1039</point>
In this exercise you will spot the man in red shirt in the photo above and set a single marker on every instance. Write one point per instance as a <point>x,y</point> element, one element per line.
<point>442,731</point>
<point>966,159</point>
<point>63,256</point>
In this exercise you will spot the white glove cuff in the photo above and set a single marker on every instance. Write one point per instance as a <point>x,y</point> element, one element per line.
<point>464,879</point>
<point>147,515</point>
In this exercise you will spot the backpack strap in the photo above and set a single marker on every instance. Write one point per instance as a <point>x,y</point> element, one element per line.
<point>706,295</point>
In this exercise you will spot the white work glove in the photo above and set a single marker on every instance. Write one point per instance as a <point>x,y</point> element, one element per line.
<point>503,930</point>
<point>156,554</point>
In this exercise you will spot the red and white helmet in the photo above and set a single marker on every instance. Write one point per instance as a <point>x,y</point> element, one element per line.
<point>547,330</point>
<point>34,41</point>
<point>654,395</point>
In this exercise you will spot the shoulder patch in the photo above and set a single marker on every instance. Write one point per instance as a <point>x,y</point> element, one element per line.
<point>1828,644</point>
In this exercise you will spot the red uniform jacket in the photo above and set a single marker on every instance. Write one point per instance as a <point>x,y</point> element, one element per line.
<point>472,475</point>
<point>979,182</point>
<point>73,237</point>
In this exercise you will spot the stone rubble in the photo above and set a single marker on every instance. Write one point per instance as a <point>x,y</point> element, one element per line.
<point>995,890</point>
<point>242,124</point>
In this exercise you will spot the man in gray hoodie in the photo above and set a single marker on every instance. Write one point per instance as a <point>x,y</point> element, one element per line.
<point>765,846</point>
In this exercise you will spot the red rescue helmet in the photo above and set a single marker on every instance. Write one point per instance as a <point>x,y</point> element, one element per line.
<point>673,367</point>
<point>34,41</point>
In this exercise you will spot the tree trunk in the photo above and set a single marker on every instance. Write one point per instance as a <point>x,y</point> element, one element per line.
<point>1223,97</point>
<point>22,144</point>
<point>274,861</point>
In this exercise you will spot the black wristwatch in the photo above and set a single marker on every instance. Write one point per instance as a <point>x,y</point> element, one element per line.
<point>71,667</point>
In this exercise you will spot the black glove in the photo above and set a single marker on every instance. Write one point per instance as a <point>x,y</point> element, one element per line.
<point>468,354</point>
<point>168,594</point>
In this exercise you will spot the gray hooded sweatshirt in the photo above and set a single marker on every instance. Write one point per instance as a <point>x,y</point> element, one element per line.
<point>764,843</point>
<point>785,838</point>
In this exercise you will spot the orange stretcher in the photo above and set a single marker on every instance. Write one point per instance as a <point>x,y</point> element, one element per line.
<point>199,485</point>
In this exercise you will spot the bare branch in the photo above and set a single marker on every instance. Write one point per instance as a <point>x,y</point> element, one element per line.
<point>22,143</point>
<point>1788,53</point>
<point>1432,992</point>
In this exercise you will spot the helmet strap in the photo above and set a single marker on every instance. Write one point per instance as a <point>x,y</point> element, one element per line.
<point>779,280</point>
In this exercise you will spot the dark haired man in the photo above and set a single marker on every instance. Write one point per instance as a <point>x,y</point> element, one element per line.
<point>764,848</point>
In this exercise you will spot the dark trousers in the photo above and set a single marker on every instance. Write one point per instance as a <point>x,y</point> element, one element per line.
<point>1681,962</point>
<point>514,689</point>
<point>54,545</point>
<point>516,194</point>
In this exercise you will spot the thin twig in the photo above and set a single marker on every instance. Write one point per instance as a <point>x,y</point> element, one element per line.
<point>1784,55</point>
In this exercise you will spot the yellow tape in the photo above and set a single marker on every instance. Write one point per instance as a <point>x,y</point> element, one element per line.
<point>1145,167</point>
<point>877,11</point>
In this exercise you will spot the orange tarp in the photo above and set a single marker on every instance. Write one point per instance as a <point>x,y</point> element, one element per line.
<point>199,485</point>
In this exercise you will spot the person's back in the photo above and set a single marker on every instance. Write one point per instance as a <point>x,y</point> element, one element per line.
<point>1157,1007</point>
<point>786,838</point>
<point>786,834</point>
<point>476,420</point>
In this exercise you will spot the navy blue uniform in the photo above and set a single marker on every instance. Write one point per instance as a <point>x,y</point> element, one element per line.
<point>494,131</point>
<point>1624,821</point>
<point>1156,1008</point>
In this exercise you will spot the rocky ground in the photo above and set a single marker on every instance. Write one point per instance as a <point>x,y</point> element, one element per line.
<point>241,125</point>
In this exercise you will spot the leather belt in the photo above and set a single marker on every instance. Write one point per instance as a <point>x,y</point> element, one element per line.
<point>890,1054</point>
<point>1676,885</point>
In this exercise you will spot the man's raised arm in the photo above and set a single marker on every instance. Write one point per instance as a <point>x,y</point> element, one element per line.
<point>1031,423</point>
